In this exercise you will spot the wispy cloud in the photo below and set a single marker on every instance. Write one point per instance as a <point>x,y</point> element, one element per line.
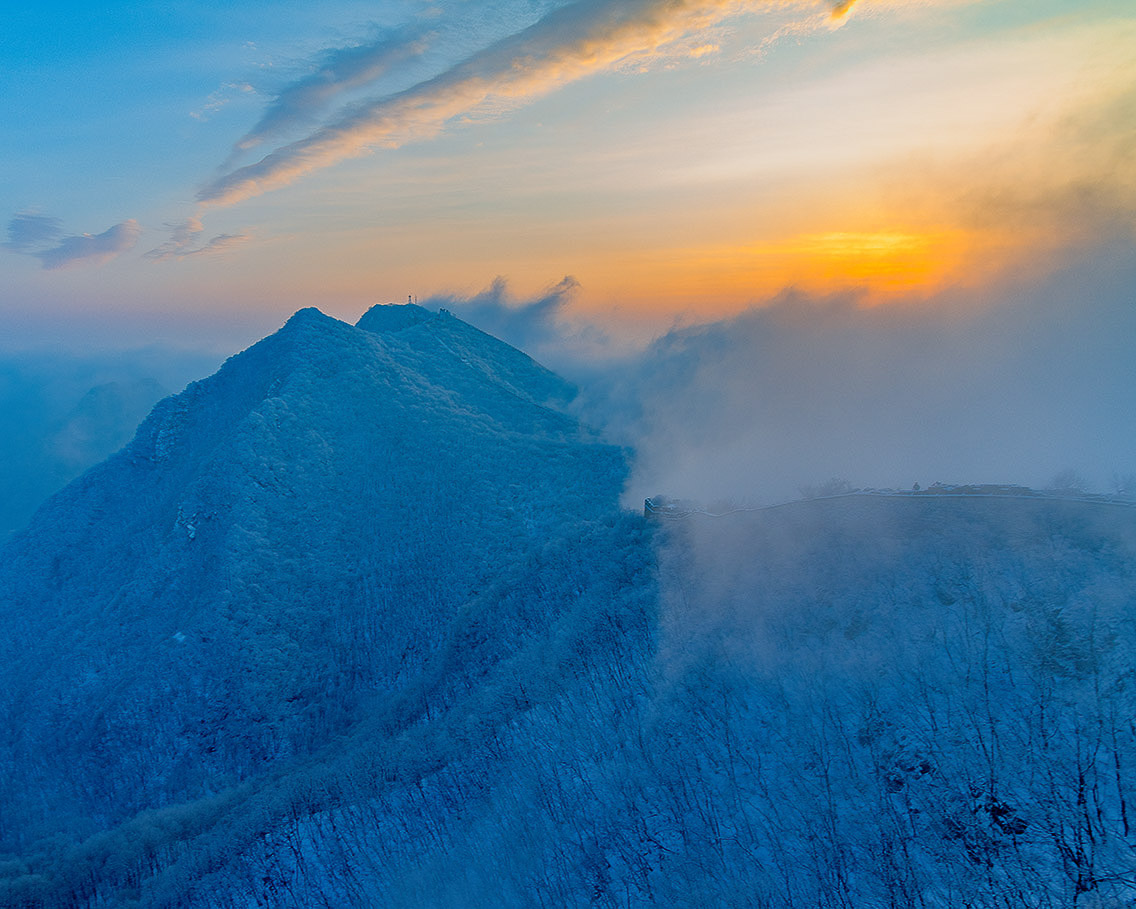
<point>41,236</point>
<point>340,71</point>
<point>219,244</point>
<point>185,242</point>
<point>571,42</point>
<point>220,98</point>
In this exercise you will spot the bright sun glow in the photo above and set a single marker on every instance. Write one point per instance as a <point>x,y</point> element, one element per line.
<point>884,262</point>
<point>881,265</point>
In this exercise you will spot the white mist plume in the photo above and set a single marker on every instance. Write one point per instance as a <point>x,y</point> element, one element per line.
<point>1011,386</point>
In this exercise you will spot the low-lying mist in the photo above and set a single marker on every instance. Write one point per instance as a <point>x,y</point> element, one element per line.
<point>791,394</point>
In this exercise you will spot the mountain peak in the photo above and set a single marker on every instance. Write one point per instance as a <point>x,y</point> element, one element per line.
<point>308,315</point>
<point>461,354</point>
<point>393,317</point>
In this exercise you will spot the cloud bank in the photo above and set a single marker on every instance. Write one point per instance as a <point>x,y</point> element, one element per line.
<point>571,42</point>
<point>1013,384</point>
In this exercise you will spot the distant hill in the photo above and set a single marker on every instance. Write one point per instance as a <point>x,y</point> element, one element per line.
<point>102,422</point>
<point>357,621</point>
<point>59,421</point>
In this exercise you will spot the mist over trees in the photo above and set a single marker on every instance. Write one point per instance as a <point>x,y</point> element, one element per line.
<point>359,621</point>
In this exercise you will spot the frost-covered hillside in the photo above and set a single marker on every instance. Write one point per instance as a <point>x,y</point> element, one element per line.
<point>358,622</point>
<point>280,545</point>
<point>910,701</point>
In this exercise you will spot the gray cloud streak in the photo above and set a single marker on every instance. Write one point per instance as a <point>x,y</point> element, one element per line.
<point>341,70</point>
<point>40,236</point>
<point>183,242</point>
<point>92,249</point>
<point>29,231</point>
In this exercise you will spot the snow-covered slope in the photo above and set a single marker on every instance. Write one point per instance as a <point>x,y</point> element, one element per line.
<point>356,622</point>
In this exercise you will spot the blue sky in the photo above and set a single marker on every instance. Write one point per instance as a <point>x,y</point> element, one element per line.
<point>198,171</point>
